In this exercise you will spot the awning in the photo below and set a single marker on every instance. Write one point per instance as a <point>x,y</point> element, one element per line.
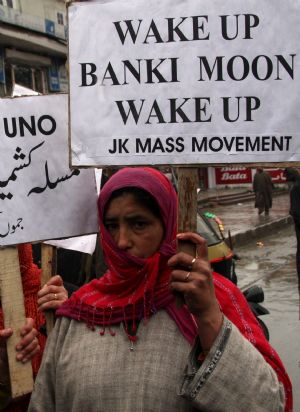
<point>31,41</point>
<point>20,57</point>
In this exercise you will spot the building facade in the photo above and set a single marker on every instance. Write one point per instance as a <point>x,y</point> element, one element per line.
<point>33,45</point>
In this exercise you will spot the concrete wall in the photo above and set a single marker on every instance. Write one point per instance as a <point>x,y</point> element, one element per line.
<point>43,8</point>
<point>38,15</point>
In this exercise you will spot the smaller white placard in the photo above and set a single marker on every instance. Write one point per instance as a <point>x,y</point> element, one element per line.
<point>40,196</point>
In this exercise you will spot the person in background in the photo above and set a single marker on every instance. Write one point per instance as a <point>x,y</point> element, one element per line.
<point>263,188</point>
<point>293,177</point>
<point>32,343</point>
<point>121,343</point>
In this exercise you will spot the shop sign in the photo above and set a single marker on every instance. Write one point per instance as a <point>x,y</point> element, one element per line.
<point>232,175</point>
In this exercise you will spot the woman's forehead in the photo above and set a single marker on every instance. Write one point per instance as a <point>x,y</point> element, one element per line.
<point>132,199</point>
<point>128,203</point>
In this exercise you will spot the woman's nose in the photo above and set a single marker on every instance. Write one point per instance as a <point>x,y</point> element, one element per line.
<point>123,238</point>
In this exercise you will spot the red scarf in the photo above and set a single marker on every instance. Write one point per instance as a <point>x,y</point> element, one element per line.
<point>135,288</point>
<point>132,288</point>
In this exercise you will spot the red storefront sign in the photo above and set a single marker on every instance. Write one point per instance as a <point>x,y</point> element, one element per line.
<point>232,175</point>
<point>277,175</point>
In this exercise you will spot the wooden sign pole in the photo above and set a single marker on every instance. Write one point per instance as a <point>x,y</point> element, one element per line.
<point>187,211</point>
<point>12,300</point>
<point>48,259</point>
<point>187,205</point>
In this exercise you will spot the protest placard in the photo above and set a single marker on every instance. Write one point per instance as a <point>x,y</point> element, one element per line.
<point>183,83</point>
<point>40,196</point>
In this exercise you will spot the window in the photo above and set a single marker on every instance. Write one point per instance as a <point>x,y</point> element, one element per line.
<point>10,3</point>
<point>60,18</point>
<point>23,76</point>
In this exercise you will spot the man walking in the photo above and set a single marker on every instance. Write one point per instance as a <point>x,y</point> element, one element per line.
<point>293,176</point>
<point>262,187</point>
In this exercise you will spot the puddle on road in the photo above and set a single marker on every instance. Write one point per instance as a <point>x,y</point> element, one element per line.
<point>281,290</point>
<point>253,266</point>
<point>273,267</point>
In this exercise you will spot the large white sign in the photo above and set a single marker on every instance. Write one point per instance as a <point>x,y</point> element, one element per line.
<point>184,82</point>
<point>40,197</point>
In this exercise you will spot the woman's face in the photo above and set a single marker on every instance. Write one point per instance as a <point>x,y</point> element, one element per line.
<point>134,228</point>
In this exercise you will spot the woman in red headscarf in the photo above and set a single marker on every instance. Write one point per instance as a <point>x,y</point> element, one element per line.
<point>122,344</point>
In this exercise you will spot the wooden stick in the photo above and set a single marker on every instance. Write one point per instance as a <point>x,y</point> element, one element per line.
<point>187,209</point>
<point>48,259</point>
<point>12,299</point>
<point>187,205</point>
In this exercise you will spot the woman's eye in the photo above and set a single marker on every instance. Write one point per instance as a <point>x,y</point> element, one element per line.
<point>111,226</point>
<point>139,225</point>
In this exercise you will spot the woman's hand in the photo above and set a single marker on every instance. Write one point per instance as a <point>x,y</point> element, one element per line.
<point>193,278</point>
<point>52,295</point>
<point>27,347</point>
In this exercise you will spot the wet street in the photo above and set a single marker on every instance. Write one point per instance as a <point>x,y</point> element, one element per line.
<point>270,262</point>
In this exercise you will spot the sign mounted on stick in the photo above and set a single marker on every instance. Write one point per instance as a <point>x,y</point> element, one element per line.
<point>184,82</point>
<point>40,197</point>
<point>12,302</point>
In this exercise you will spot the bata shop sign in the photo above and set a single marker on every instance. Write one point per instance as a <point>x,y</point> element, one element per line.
<point>232,175</point>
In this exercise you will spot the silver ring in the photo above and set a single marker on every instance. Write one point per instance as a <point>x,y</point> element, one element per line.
<point>55,296</point>
<point>187,276</point>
